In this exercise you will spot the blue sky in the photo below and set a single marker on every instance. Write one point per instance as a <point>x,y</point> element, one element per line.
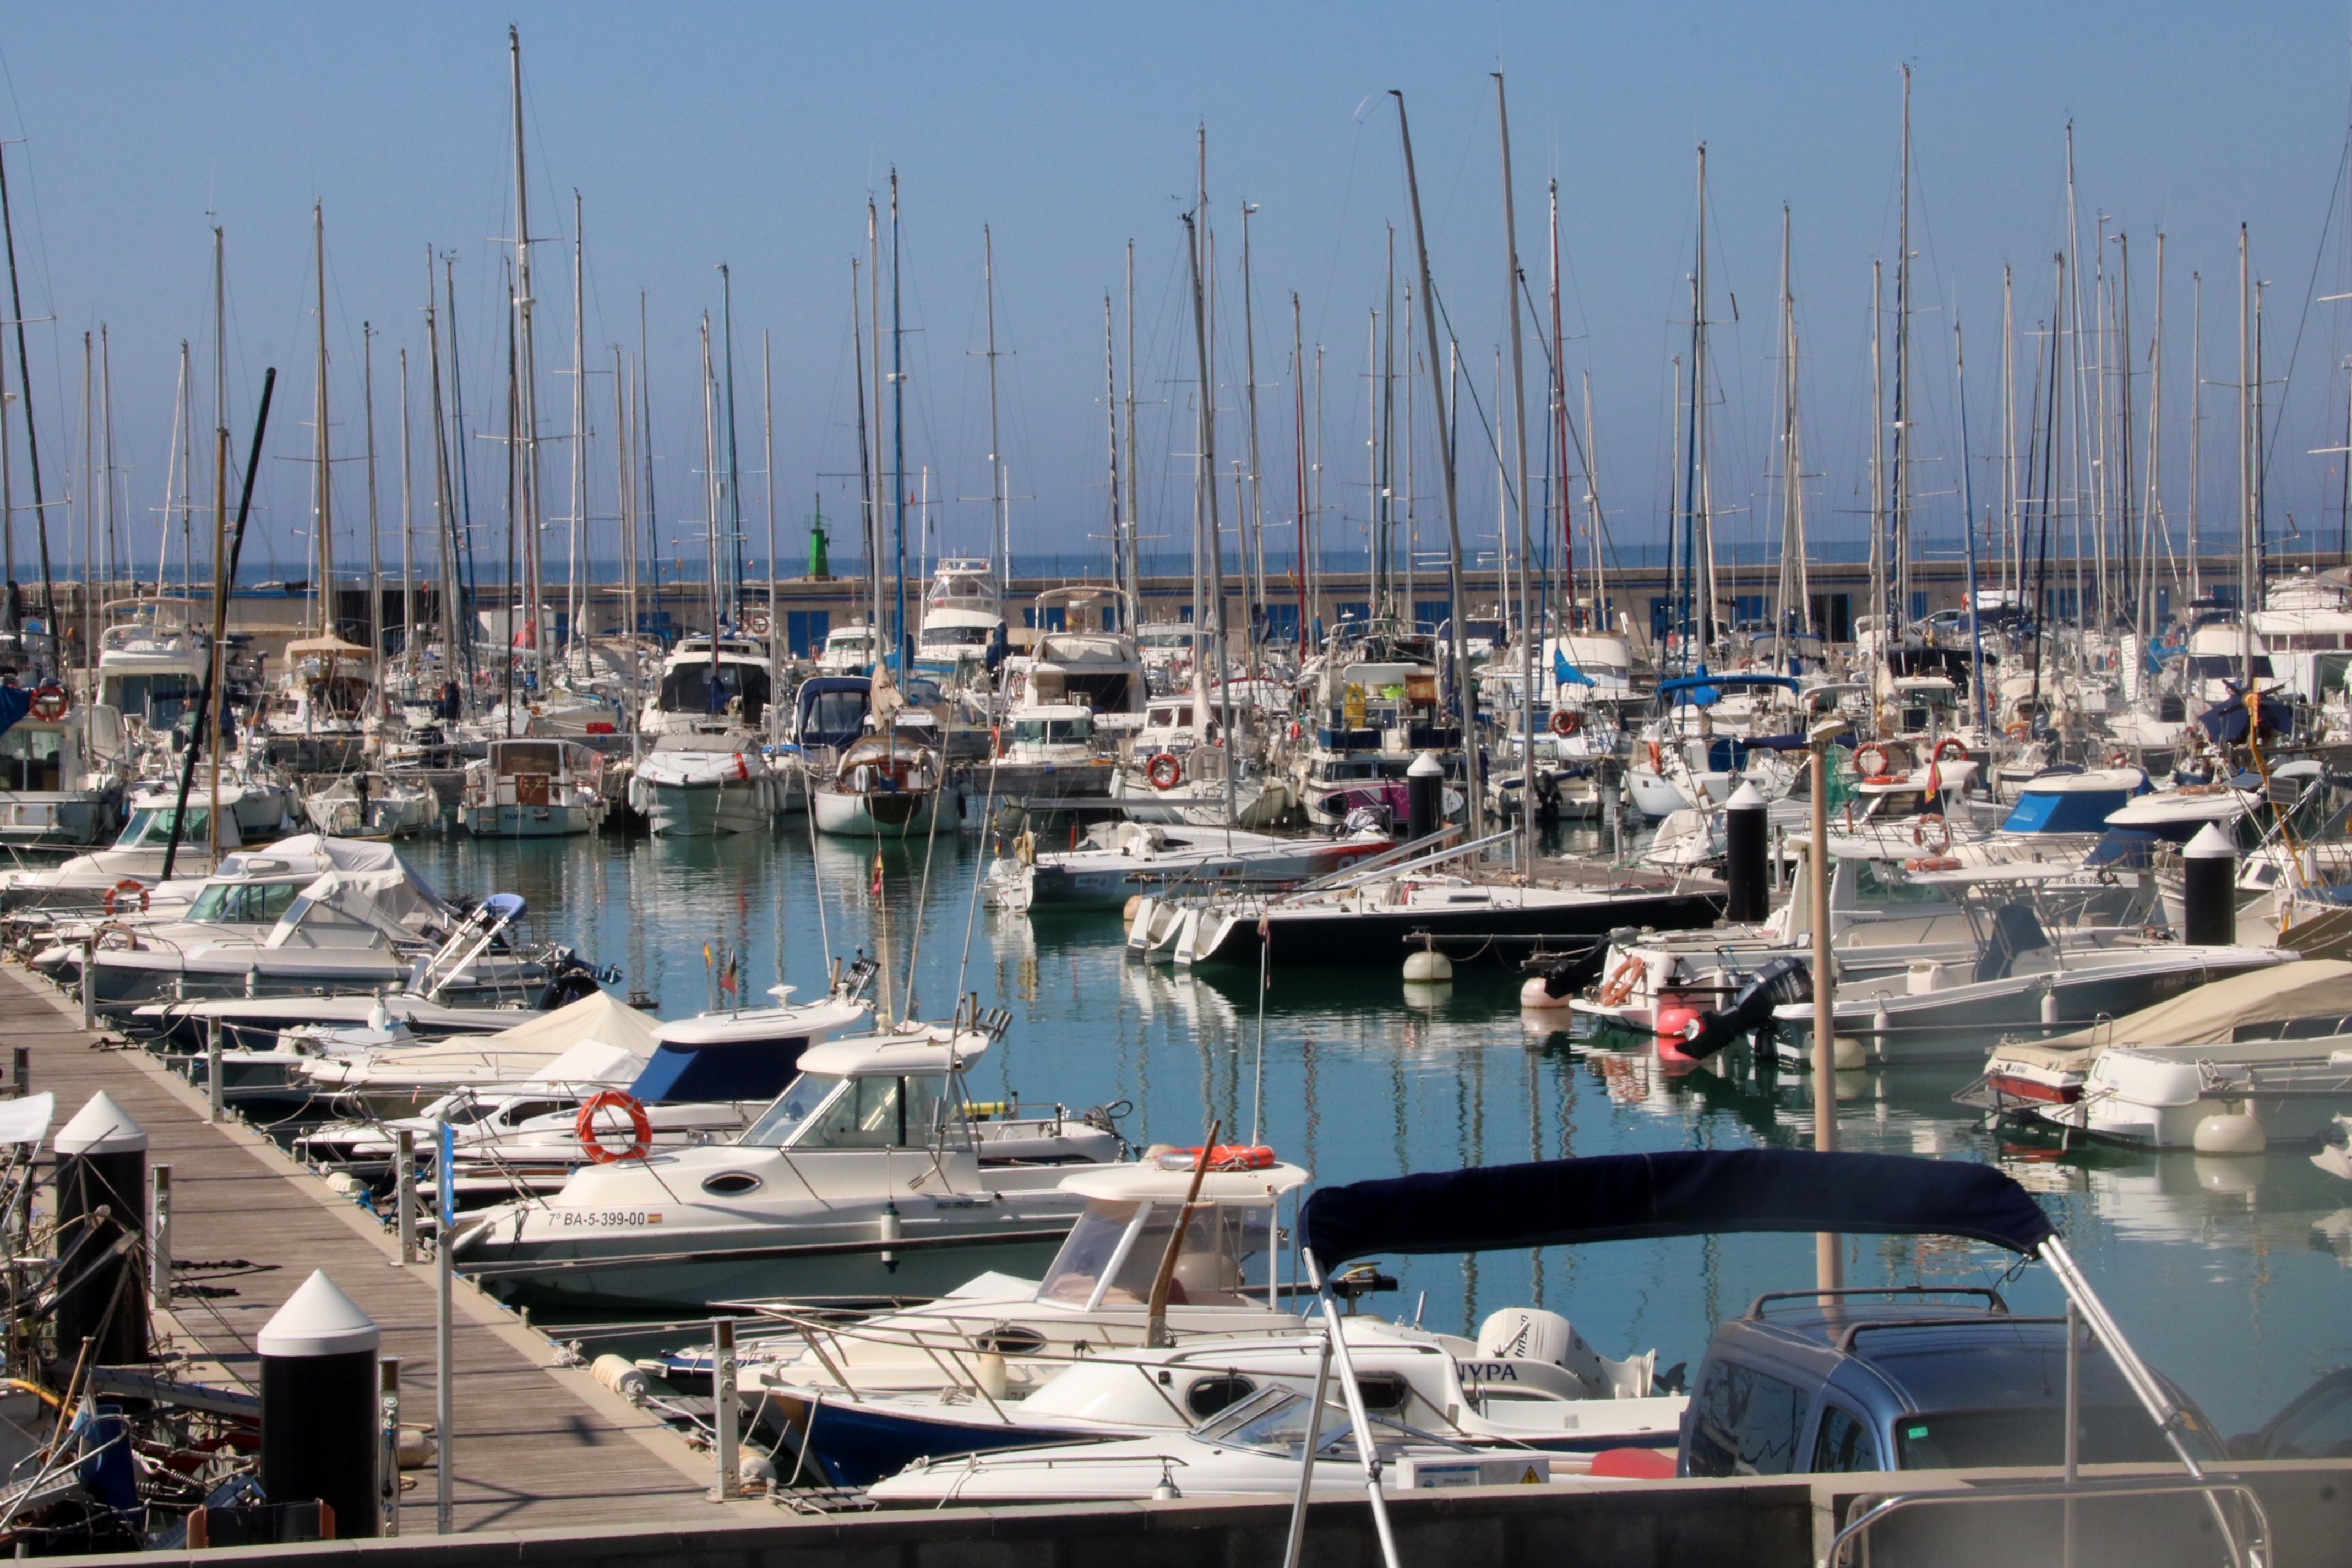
<point>754,134</point>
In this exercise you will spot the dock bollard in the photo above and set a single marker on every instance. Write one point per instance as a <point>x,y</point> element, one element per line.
<point>213,1097</point>
<point>90,983</point>
<point>404,1193</point>
<point>724,1444</point>
<point>2210,888</point>
<point>20,1073</point>
<point>319,1411</point>
<point>159,1236</point>
<point>1424,796</point>
<point>387,1458</point>
<point>101,1205</point>
<point>1745,819</point>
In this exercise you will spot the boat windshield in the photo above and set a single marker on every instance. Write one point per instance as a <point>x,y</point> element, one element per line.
<point>821,1111</point>
<point>1053,732</point>
<point>150,827</point>
<point>1114,1253</point>
<point>1274,1420</point>
<point>955,636</point>
<point>244,903</point>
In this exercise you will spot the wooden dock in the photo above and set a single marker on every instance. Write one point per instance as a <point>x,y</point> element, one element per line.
<point>538,1447</point>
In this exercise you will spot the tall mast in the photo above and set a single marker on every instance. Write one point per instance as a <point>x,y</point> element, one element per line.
<point>866,493</point>
<point>376,559</point>
<point>1530,625</point>
<point>732,563</point>
<point>1110,416</point>
<point>874,390</point>
<point>2197,433</point>
<point>1298,561</point>
<point>711,483</point>
<point>573,604</point>
<point>1205,425</point>
<point>2012,549</point>
<point>1794,606</point>
<point>112,559</point>
<point>2245,473</point>
<point>1134,542</point>
<point>322,511</point>
<point>1560,435</point>
<point>526,391</point>
<point>32,430</point>
<point>1878,527</point>
<point>768,462</point>
<point>2128,545</point>
<point>2152,508</point>
<point>89,515</point>
<point>1901,476</point>
<point>1695,628</point>
<point>457,665</point>
<point>624,505</point>
<point>214,652</point>
<point>898,429</point>
<point>407,533</point>
<point>1000,525</point>
<point>1465,691</point>
<point>1253,567</point>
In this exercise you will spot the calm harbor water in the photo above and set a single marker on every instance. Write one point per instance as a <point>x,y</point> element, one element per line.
<point>2231,1275</point>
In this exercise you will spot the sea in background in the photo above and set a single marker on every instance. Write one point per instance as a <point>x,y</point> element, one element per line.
<point>2231,1275</point>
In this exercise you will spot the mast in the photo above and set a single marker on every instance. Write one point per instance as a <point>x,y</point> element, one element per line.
<point>1134,542</point>
<point>573,602</point>
<point>2152,508</point>
<point>2012,548</point>
<point>1696,628</point>
<point>711,483</point>
<point>1206,423</point>
<point>1110,414</point>
<point>1465,692</point>
<point>407,533</point>
<point>2128,545</point>
<point>2245,474</point>
<point>461,531</point>
<point>1878,527</point>
<point>525,397</point>
<point>874,388</point>
<point>897,429</point>
<point>1560,437</point>
<point>866,493</point>
<point>1300,568</point>
<point>1794,606</point>
<point>215,651</point>
<point>1253,567</point>
<point>323,510</point>
<point>32,430</point>
<point>1530,625</point>
<point>2197,432</point>
<point>457,665</point>
<point>376,559</point>
<point>89,522</point>
<point>768,460</point>
<point>113,554</point>
<point>625,504</point>
<point>1000,525</point>
<point>1901,476</point>
<point>732,563</point>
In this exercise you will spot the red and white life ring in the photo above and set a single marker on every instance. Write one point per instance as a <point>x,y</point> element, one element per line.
<point>1943,833</point>
<point>2118,757</point>
<point>1566,722</point>
<point>50,701</point>
<point>641,1127</point>
<point>1164,770</point>
<point>1870,760</point>
<point>121,892</point>
<point>1621,984</point>
<point>1952,748</point>
<point>1657,759</point>
<point>1220,1157</point>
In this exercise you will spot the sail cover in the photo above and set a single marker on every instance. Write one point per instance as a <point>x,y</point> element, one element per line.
<point>1627,1197</point>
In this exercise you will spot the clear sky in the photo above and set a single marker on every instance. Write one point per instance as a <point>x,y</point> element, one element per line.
<point>754,134</point>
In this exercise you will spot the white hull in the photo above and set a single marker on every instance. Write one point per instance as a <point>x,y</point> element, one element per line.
<point>703,810</point>
<point>876,815</point>
<point>531,821</point>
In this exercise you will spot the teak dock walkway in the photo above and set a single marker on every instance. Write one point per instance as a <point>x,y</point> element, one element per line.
<point>538,1447</point>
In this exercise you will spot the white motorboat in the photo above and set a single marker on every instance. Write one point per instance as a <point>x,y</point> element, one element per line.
<point>136,856</point>
<point>60,779</point>
<point>371,805</point>
<point>870,1178</point>
<point>695,784</point>
<point>1120,860</point>
<point>397,1079</point>
<point>710,682</point>
<point>533,789</point>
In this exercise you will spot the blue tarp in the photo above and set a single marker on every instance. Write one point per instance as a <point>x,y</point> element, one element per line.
<point>1631,1197</point>
<point>747,1069</point>
<point>1565,673</point>
<point>15,703</point>
<point>2064,810</point>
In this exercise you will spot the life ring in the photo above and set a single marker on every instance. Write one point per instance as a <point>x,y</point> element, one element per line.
<point>2018,728</point>
<point>1566,722</point>
<point>1164,770</point>
<point>1943,832</point>
<point>50,701</point>
<point>1621,983</point>
<point>2118,757</point>
<point>1871,761</point>
<point>1950,746</point>
<point>1657,760</point>
<point>1932,863</point>
<point>641,1126</point>
<point>122,890</point>
<point>1219,1157</point>
<point>1883,779</point>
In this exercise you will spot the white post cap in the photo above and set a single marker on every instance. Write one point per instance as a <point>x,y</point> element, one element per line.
<point>2211,844</point>
<point>101,1127</point>
<point>1425,765</point>
<point>318,1319</point>
<point>1746,797</point>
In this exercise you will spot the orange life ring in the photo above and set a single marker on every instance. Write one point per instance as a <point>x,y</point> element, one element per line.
<point>121,891</point>
<point>1164,770</point>
<point>1862,764</point>
<point>1942,831</point>
<point>50,700</point>
<point>2118,757</point>
<point>1621,983</point>
<point>1566,722</point>
<point>641,1126</point>
<point>1932,863</point>
<point>1657,762</point>
<point>2018,728</point>
<point>1949,746</point>
<point>1220,1157</point>
<point>1883,779</point>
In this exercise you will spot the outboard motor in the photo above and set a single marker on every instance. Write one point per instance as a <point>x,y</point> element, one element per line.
<point>1781,983</point>
<point>1577,972</point>
<point>567,985</point>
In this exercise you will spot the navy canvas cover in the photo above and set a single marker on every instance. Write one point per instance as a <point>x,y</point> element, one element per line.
<point>1630,1197</point>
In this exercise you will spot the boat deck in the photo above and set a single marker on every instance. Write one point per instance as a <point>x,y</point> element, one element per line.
<point>537,1447</point>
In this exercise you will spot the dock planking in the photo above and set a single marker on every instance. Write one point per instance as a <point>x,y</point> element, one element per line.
<point>537,1445</point>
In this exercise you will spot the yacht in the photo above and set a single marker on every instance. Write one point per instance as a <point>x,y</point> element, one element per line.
<point>60,775</point>
<point>697,784</point>
<point>533,789</point>
<point>963,623</point>
<point>136,856</point>
<point>1079,656</point>
<point>710,682</point>
<point>152,662</point>
<point>848,650</point>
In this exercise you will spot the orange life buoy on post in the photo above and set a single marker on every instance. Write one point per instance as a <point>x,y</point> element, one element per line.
<point>641,1127</point>
<point>1870,761</point>
<point>1164,770</point>
<point>122,890</point>
<point>1566,722</point>
<point>1951,747</point>
<point>1621,983</point>
<point>50,701</point>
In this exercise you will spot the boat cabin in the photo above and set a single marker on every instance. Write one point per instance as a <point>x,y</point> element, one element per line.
<point>1227,1259</point>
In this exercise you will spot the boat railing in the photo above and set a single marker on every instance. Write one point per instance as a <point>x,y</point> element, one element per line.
<point>2246,1533</point>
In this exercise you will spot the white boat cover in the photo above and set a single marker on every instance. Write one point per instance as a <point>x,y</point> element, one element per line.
<point>529,1050</point>
<point>2312,988</point>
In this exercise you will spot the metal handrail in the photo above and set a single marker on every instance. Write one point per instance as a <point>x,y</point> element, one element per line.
<point>2254,1553</point>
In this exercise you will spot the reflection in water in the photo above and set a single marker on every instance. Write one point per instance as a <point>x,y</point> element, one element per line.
<point>2228,1273</point>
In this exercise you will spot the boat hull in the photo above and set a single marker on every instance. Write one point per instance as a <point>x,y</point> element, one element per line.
<point>1348,936</point>
<point>701,810</point>
<point>874,815</point>
<point>531,821</point>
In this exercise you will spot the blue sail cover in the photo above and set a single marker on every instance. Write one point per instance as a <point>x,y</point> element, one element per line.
<point>1631,1197</point>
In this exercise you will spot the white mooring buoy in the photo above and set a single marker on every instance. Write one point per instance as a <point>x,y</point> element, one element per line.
<point>2229,1132</point>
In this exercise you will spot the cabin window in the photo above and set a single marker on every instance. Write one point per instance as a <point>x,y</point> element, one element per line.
<point>29,757</point>
<point>1210,1395</point>
<point>1744,1423</point>
<point>152,827</point>
<point>1846,1444</point>
<point>243,903</point>
<point>1053,732</point>
<point>1224,1247</point>
<point>1872,885</point>
<point>530,757</point>
<point>876,1112</point>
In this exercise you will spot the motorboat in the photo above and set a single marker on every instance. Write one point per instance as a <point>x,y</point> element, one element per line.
<point>137,854</point>
<point>962,622</point>
<point>533,789</point>
<point>315,721</point>
<point>848,650</point>
<point>1119,860</point>
<point>1078,657</point>
<point>710,682</point>
<point>372,804</point>
<point>152,662</point>
<point>696,784</point>
<point>60,778</point>
<point>400,1077</point>
<point>872,1177</point>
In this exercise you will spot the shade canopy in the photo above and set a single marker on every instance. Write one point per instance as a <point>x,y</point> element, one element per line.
<point>1630,1197</point>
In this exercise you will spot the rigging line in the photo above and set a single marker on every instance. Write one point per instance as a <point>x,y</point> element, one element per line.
<point>2318,256</point>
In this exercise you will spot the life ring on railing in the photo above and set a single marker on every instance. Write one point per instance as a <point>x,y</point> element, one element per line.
<point>2118,757</point>
<point>641,1127</point>
<point>2017,729</point>
<point>122,890</point>
<point>1657,759</point>
<point>1621,984</point>
<point>1219,1157</point>
<point>1164,770</point>
<point>1950,746</point>
<point>1943,832</point>
<point>1870,761</point>
<point>50,701</point>
<point>1932,863</point>
<point>1566,722</point>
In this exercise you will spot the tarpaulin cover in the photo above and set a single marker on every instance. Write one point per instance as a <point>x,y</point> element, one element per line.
<point>2225,722</point>
<point>15,703</point>
<point>1630,1197</point>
